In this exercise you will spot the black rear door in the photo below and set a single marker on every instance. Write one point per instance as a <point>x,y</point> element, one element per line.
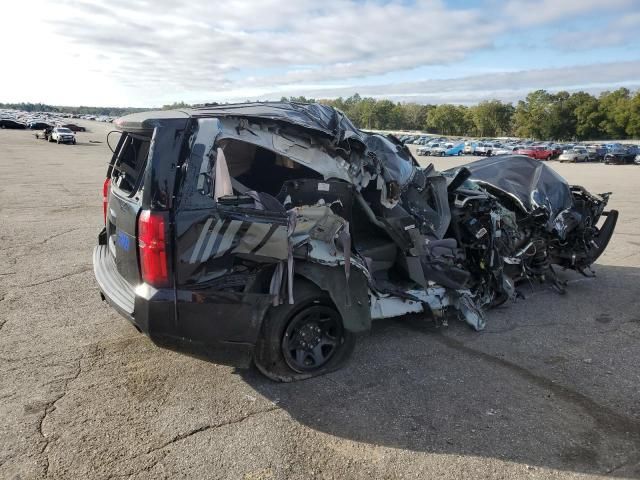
<point>125,202</point>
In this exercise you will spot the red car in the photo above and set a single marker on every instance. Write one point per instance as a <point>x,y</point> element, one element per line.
<point>537,152</point>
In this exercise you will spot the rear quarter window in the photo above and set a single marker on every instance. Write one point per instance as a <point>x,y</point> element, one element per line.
<point>129,161</point>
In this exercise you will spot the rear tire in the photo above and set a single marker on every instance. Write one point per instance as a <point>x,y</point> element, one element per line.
<point>303,340</point>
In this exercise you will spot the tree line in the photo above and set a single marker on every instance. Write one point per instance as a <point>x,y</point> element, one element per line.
<point>81,110</point>
<point>541,115</point>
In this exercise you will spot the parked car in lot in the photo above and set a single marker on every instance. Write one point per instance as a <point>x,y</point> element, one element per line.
<point>423,150</point>
<point>62,135</point>
<point>469,147</point>
<point>428,148</point>
<point>556,150</point>
<point>38,125</point>
<point>74,128</point>
<point>596,152</point>
<point>505,150</point>
<point>537,152</point>
<point>440,149</point>
<point>455,150</point>
<point>618,154</point>
<point>576,154</point>
<point>485,149</point>
<point>12,123</point>
<point>277,245</point>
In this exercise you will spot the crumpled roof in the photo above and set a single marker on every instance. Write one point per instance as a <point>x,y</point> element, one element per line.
<point>533,183</point>
<point>311,116</point>
<point>317,118</point>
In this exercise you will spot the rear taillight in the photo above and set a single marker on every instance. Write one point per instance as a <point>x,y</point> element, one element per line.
<point>105,197</point>
<point>152,248</point>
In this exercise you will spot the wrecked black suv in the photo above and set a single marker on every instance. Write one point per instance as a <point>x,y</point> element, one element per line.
<point>274,232</point>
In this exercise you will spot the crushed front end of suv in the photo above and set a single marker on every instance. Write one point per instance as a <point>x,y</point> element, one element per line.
<point>273,233</point>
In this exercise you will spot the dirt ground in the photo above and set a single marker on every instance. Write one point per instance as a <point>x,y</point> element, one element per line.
<point>551,389</point>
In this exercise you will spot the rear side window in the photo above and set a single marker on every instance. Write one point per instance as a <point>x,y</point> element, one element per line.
<point>129,162</point>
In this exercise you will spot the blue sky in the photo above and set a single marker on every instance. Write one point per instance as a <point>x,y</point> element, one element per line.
<point>148,53</point>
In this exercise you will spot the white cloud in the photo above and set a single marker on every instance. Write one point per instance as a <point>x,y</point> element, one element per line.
<point>149,52</point>
<point>538,12</point>
<point>618,31</point>
<point>506,86</point>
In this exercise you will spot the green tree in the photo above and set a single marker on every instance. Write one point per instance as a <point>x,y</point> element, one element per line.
<point>447,119</point>
<point>588,116</point>
<point>491,118</point>
<point>562,119</point>
<point>533,117</point>
<point>414,115</point>
<point>615,110</point>
<point>176,105</point>
<point>633,125</point>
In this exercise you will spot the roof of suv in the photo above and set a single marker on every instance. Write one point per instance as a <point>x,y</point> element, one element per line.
<point>312,116</point>
<point>144,121</point>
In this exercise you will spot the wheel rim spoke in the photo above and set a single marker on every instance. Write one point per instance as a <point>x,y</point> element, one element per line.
<point>300,356</point>
<point>328,341</point>
<point>317,355</point>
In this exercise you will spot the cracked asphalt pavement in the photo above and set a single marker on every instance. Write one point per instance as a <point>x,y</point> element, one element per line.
<point>551,389</point>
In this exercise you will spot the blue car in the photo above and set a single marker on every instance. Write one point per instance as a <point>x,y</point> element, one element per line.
<point>455,150</point>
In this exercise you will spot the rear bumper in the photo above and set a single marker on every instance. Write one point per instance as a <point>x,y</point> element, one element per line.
<point>154,313</point>
<point>114,289</point>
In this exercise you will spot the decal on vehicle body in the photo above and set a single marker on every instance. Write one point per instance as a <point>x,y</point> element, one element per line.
<point>222,236</point>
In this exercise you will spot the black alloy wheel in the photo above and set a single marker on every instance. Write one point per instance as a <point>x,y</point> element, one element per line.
<point>305,339</point>
<point>312,338</point>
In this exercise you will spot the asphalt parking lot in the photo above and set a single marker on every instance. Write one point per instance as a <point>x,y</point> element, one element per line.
<point>551,389</point>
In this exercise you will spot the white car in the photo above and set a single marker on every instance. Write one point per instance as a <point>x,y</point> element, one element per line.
<point>62,135</point>
<point>576,154</point>
<point>505,150</point>
<point>469,147</point>
<point>427,149</point>
<point>484,149</point>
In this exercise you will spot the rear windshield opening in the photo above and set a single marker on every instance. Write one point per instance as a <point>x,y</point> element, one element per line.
<point>130,159</point>
<point>260,169</point>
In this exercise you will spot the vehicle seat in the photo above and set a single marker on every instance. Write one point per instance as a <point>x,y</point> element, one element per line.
<point>380,251</point>
<point>372,242</point>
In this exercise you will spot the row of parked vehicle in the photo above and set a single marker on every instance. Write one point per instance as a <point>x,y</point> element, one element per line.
<point>19,120</point>
<point>609,153</point>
